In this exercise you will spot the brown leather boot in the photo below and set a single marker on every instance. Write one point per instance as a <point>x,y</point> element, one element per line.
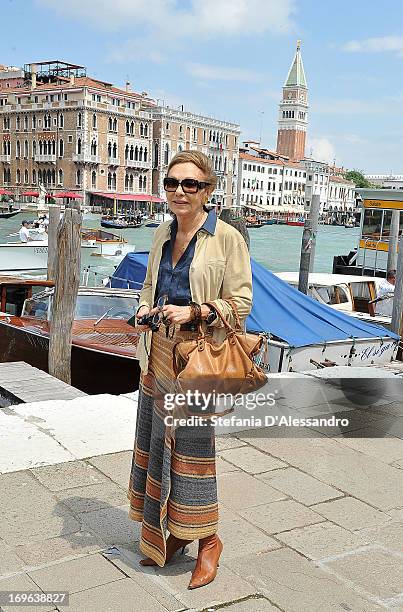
<point>210,549</point>
<point>173,544</point>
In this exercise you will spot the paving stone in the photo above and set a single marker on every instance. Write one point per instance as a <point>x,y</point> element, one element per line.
<point>124,595</point>
<point>252,605</point>
<point>226,587</point>
<point>128,561</point>
<point>93,497</point>
<point>226,442</point>
<point>322,540</point>
<point>295,584</point>
<point>355,419</point>
<point>9,561</point>
<point>55,549</point>
<point>327,460</point>
<point>116,466</point>
<point>22,582</point>
<point>223,467</point>
<point>112,525</point>
<point>387,450</point>
<point>351,513</point>
<point>300,486</point>
<point>67,475</point>
<point>238,490</point>
<point>251,460</point>
<point>30,513</point>
<point>389,536</point>
<point>378,572</point>
<point>325,409</point>
<point>77,574</point>
<point>280,515</point>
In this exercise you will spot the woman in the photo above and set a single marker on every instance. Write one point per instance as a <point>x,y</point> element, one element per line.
<point>194,259</point>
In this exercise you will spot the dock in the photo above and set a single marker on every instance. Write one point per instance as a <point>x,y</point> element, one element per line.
<point>21,383</point>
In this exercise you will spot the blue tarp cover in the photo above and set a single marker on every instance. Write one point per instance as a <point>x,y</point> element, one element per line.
<point>278,308</point>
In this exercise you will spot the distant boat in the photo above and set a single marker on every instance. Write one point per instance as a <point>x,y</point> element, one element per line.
<point>296,223</point>
<point>270,221</point>
<point>117,224</point>
<point>9,214</point>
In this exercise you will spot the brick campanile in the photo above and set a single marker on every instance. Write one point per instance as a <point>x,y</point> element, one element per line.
<point>293,116</point>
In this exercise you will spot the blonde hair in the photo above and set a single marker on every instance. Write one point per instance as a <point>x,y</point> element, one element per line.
<point>198,159</point>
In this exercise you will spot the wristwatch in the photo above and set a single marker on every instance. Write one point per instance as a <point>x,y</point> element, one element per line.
<point>212,315</point>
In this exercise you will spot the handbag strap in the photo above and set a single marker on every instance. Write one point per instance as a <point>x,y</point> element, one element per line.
<point>228,327</point>
<point>231,302</point>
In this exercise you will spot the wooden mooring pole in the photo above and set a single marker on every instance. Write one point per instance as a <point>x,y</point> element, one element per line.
<point>54,219</point>
<point>67,279</point>
<point>393,240</point>
<point>308,244</point>
<point>397,312</point>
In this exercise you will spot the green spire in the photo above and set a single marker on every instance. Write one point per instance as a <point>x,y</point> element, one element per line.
<point>296,75</point>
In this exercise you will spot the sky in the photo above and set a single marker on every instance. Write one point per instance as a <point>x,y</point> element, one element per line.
<point>229,59</point>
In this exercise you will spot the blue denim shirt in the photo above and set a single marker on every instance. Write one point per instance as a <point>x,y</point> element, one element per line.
<point>174,281</point>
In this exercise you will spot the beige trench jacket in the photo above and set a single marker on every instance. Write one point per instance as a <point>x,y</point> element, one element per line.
<point>220,269</point>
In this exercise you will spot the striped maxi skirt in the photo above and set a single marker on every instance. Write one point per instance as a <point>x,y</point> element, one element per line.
<point>173,475</point>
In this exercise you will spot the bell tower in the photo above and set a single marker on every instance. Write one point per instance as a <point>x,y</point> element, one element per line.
<point>293,117</point>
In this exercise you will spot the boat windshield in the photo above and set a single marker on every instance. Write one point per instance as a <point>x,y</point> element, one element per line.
<point>106,306</point>
<point>37,306</point>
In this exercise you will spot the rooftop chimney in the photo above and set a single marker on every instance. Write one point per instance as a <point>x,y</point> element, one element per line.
<point>33,76</point>
<point>128,88</point>
<point>72,78</point>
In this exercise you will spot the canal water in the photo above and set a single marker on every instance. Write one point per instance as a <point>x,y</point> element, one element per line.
<point>277,247</point>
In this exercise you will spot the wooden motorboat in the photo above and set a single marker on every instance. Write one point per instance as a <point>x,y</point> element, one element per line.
<point>106,243</point>
<point>103,357</point>
<point>119,224</point>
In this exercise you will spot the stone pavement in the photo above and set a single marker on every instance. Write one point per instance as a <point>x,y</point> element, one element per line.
<point>311,523</point>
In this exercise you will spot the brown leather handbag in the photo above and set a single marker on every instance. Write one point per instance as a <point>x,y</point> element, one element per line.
<point>228,367</point>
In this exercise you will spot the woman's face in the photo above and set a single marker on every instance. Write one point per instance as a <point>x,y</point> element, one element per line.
<point>186,204</point>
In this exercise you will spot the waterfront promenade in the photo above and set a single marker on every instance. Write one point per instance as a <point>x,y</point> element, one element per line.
<point>312,522</point>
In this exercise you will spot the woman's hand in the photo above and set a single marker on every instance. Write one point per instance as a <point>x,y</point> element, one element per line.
<point>143,310</point>
<point>176,314</point>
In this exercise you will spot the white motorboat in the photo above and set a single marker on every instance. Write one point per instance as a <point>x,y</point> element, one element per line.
<point>353,295</point>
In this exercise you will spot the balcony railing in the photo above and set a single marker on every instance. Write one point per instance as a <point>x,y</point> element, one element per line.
<point>86,158</point>
<point>114,161</point>
<point>45,158</point>
<point>135,163</point>
<point>5,158</point>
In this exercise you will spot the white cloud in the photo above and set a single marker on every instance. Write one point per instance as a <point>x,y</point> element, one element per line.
<point>167,17</point>
<point>356,106</point>
<point>321,149</point>
<point>222,73</point>
<point>378,44</point>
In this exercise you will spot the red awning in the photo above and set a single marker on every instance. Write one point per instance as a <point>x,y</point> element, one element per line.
<point>5,192</point>
<point>129,197</point>
<point>32,194</point>
<point>68,194</point>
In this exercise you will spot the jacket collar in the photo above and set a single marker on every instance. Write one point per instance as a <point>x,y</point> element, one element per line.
<point>209,226</point>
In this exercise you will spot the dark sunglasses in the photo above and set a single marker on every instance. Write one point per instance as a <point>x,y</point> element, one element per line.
<point>188,185</point>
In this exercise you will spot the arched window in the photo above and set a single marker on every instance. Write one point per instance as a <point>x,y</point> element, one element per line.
<point>141,129</point>
<point>126,152</point>
<point>126,181</point>
<point>78,177</point>
<point>49,177</point>
<point>180,148</point>
<point>127,128</point>
<point>93,179</point>
<point>94,146</point>
<point>156,155</point>
<point>109,149</point>
<point>53,144</point>
<point>79,146</point>
<point>34,122</point>
<point>136,153</point>
<point>141,154</point>
<point>110,124</point>
<point>18,149</point>
<point>109,180</point>
<point>61,121</point>
<point>26,176</point>
<point>18,176</point>
<point>40,147</point>
<point>60,181</point>
<point>131,154</point>
<point>53,177</point>
<point>166,154</point>
<point>26,149</point>
<point>132,128</point>
<point>146,129</point>
<point>94,121</point>
<point>114,180</point>
<point>145,154</point>
<point>17,122</point>
<point>61,148</point>
<point>34,176</point>
<point>25,122</point>
<point>79,120</point>
<point>131,182</point>
<point>40,176</point>
<point>115,150</point>
<point>144,183</point>
<point>115,125</point>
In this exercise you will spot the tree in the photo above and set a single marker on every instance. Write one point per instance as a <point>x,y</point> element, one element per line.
<point>357,177</point>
